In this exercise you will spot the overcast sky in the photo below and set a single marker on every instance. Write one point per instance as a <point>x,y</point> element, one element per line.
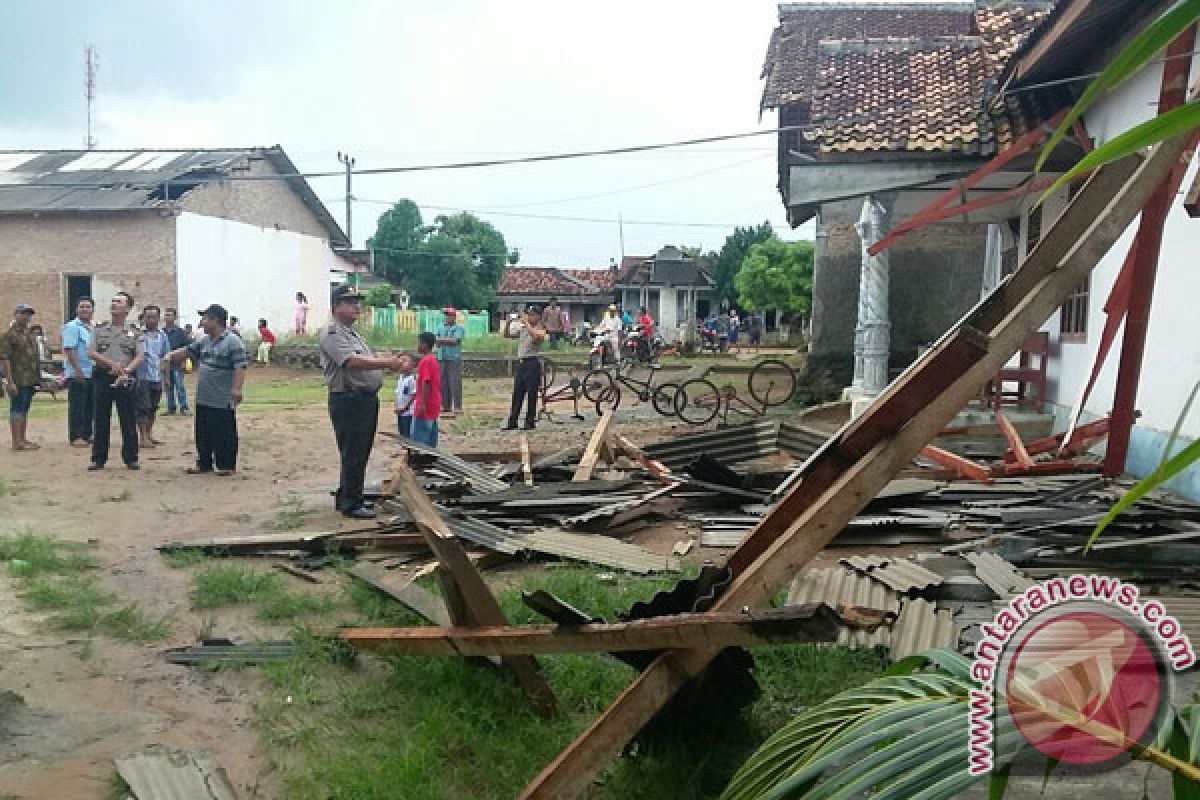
<point>398,83</point>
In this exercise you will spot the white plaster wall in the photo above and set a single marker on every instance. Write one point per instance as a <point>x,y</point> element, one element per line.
<point>1172,359</point>
<point>253,272</point>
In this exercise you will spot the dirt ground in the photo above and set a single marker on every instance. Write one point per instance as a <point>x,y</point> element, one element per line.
<point>78,702</point>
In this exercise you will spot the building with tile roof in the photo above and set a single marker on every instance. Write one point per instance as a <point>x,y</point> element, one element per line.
<point>177,228</point>
<point>582,292</point>
<point>672,287</point>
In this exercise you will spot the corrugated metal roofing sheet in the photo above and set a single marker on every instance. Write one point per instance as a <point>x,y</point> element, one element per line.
<point>728,445</point>
<point>1000,576</point>
<point>596,549</point>
<point>838,586</point>
<point>483,533</point>
<point>175,775</point>
<point>922,626</point>
<point>456,468</point>
<point>900,574</point>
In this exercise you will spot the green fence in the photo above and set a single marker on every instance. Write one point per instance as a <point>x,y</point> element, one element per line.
<point>475,323</point>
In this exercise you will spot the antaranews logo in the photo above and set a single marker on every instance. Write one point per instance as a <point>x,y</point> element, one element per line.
<point>1079,668</point>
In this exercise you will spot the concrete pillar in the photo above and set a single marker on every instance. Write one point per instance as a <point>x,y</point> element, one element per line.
<point>992,260</point>
<point>872,334</point>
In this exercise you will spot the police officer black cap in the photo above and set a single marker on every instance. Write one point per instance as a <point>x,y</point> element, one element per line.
<point>216,312</point>
<point>344,294</point>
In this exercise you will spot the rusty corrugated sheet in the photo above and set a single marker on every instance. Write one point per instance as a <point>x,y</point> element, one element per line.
<point>728,445</point>
<point>159,774</point>
<point>1000,576</point>
<point>900,574</point>
<point>838,586</point>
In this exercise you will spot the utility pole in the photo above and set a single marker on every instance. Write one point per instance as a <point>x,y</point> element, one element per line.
<point>348,161</point>
<point>621,233</point>
<point>91,64</point>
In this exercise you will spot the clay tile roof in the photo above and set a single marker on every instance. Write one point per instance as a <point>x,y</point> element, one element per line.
<point>918,94</point>
<point>602,279</point>
<point>790,67</point>
<point>544,281</point>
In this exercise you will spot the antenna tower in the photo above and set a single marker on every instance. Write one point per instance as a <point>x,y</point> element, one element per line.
<point>89,85</point>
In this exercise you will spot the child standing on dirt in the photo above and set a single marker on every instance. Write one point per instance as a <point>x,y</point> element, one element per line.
<point>406,394</point>
<point>428,403</point>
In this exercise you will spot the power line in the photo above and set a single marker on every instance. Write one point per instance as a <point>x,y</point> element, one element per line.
<point>559,218</point>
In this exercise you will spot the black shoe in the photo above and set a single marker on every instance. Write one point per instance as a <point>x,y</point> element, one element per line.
<point>509,427</point>
<point>134,465</point>
<point>528,426</point>
<point>359,513</point>
<point>92,467</point>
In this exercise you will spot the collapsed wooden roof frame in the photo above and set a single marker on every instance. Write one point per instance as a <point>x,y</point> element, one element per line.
<point>857,462</point>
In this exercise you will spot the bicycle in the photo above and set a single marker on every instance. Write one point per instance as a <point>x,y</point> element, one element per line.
<point>771,383</point>
<point>548,393</point>
<point>602,387</point>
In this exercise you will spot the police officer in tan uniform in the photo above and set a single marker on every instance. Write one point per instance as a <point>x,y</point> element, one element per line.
<point>117,350</point>
<point>354,375</point>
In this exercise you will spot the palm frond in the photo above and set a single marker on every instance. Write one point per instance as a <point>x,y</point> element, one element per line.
<point>1157,35</point>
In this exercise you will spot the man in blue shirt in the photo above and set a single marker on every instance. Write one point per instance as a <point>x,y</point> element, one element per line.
<point>77,367</point>
<point>449,341</point>
<point>173,379</point>
<point>150,376</point>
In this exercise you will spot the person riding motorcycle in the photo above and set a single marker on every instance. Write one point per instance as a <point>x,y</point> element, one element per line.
<point>609,328</point>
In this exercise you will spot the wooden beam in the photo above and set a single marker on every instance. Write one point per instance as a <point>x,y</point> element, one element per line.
<point>475,604</point>
<point>1056,467</point>
<point>587,464</point>
<point>1017,447</point>
<point>526,465</point>
<point>657,469</point>
<point>787,541</point>
<point>809,623</point>
<point>1050,38</point>
<point>1081,437</point>
<point>1172,94</point>
<point>960,464</point>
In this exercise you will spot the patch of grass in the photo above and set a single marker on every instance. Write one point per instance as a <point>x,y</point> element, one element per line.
<point>240,519</point>
<point>11,487</point>
<point>291,515</point>
<point>440,727</point>
<point>227,585</point>
<point>184,558</point>
<point>115,788</point>
<point>124,497</point>
<point>80,605</point>
<point>467,423</point>
<point>30,555</point>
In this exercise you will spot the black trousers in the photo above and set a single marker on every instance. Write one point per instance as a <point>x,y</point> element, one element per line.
<point>525,388</point>
<point>355,416</point>
<point>216,438</point>
<point>79,409</point>
<point>104,397</point>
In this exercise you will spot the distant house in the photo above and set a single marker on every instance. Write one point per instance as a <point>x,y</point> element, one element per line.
<point>174,228</point>
<point>887,102</point>
<point>583,293</point>
<point>672,287</point>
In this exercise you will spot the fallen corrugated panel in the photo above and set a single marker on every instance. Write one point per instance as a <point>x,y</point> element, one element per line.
<point>1184,608</point>
<point>455,467</point>
<point>493,537</point>
<point>623,511</point>
<point>900,574</point>
<point>838,586</point>
<point>723,538</point>
<point>800,441</point>
<point>212,651</point>
<point>728,445</point>
<point>597,549</point>
<point>159,774</point>
<point>1000,576</point>
<point>922,626</point>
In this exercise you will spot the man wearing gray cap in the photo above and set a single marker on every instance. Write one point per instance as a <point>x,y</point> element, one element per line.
<point>19,360</point>
<point>354,375</point>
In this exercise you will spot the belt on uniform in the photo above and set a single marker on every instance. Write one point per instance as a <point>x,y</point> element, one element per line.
<point>528,358</point>
<point>355,393</point>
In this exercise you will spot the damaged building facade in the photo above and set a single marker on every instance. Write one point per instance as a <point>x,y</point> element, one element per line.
<point>894,106</point>
<point>181,228</point>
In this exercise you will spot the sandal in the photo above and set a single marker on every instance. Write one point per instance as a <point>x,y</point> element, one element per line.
<point>197,471</point>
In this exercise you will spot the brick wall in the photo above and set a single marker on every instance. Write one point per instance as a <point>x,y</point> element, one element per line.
<point>134,251</point>
<point>264,203</point>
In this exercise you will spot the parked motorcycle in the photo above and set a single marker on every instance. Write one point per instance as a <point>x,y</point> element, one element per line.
<point>640,350</point>
<point>602,351</point>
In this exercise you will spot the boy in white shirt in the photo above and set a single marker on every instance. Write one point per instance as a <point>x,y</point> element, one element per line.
<point>406,393</point>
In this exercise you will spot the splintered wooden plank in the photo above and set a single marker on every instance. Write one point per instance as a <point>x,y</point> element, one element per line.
<point>468,598</point>
<point>795,531</point>
<point>526,466</point>
<point>655,468</point>
<point>591,454</point>
<point>963,466</point>
<point>810,623</point>
<point>1014,439</point>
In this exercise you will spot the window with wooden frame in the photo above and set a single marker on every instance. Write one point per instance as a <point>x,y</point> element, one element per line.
<point>1073,316</point>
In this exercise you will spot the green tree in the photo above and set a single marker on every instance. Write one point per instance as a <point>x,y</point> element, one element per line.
<point>777,274</point>
<point>443,274</point>
<point>398,237</point>
<point>726,263</point>
<point>480,242</point>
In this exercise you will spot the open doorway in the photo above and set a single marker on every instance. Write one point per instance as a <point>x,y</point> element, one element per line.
<point>77,286</point>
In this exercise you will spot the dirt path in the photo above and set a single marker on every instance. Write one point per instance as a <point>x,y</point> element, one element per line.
<point>88,700</point>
